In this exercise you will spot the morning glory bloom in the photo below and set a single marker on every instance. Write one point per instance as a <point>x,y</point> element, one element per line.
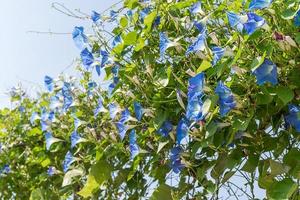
<point>113,110</point>
<point>144,12</point>
<point>164,44</point>
<point>182,130</point>
<point>218,53</point>
<point>235,21</point>
<point>66,92</point>
<point>75,139</point>
<point>69,159</point>
<point>198,45</point>
<point>194,109</point>
<point>34,116</point>
<point>200,27</point>
<point>49,83</point>
<point>134,148</point>
<point>77,123</point>
<point>175,159</point>
<point>44,125</point>
<point>293,119</point>
<point>259,4</point>
<point>139,111</point>
<point>87,58</point>
<point>196,8</point>
<point>122,129</point>
<point>226,99</point>
<point>297,19</point>
<point>254,22</point>
<point>95,16</point>
<point>165,129</point>
<point>51,171</point>
<point>117,40</point>
<point>156,21</point>
<point>266,72</point>
<point>129,14</point>
<point>80,39</point>
<point>125,116</point>
<point>113,15</point>
<point>50,140</point>
<point>6,169</point>
<point>196,85</point>
<point>104,58</point>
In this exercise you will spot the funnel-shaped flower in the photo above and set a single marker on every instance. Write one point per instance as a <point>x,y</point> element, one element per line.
<point>69,159</point>
<point>293,119</point>
<point>80,39</point>
<point>266,72</point>
<point>259,4</point>
<point>165,128</point>
<point>226,99</point>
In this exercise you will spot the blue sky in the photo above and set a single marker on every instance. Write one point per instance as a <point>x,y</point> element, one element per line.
<point>28,57</point>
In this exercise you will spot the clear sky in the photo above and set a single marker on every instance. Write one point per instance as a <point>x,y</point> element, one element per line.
<point>28,57</point>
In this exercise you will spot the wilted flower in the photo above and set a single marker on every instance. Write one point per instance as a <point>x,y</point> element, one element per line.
<point>226,99</point>
<point>182,130</point>
<point>165,128</point>
<point>134,148</point>
<point>293,119</point>
<point>95,16</point>
<point>218,53</point>
<point>69,159</point>
<point>175,159</point>
<point>138,109</point>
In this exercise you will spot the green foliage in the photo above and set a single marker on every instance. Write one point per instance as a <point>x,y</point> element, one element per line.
<point>250,141</point>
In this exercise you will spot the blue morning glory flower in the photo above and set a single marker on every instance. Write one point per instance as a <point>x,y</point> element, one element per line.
<point>54,102</point>
<point>129,14</point>
<point>293,119</point>
<point>134,148</point>
<point>113,15</point>
<point>6,169</point>
<point>34,116</point>
<point>218,53</point>
<point>175,159</point>
<point>51,116</point>
<point>77,123</point>
<point>165,128</point>
<point>139,111</point>
<point>254,22</point>
<point>200,27</point>
<point>226,99</point>
<point>198,45</point>
<point>297,19</point>
<point>125,116</point>
<point>44,125</point>
<point>100,108</point>
<point>196,8</point>
<point>75,139</point>
<point>182,130</point>
<point>196,85</point>
<point>104,58</point>
<point>113,110</point>
<point>51,171</point>
<point>69,159</point>
<point>144,12</point>
<point>266,72</point>
<point>235,21</point>
<point>49,83</point>
<point>156,21</point>
<point>66,92</point>
<point>259,4</point>
<point>117,40</point>
<point>80,39</point>
<point>49,140</point>
<point>122,129</point>
<point>164,44</point>
<point>194,109</point>
<point>95,16</point>
<point>87,58</point>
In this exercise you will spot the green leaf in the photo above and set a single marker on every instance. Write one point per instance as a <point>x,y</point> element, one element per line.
<point>123,22</point>
<point>100,172</point>
<point>140,44</point>
<point>37,194</point>
<point>70,175</point>
<point>204,66</point>
<point>289,14</point>
<point>130,38</point>
<point>282,189</point>
<point>162,192</point>
<point>130,3</point>
<point>148,21</point>
<point>285,94</point>
<point>251,163</point>
<point>163,76</point>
